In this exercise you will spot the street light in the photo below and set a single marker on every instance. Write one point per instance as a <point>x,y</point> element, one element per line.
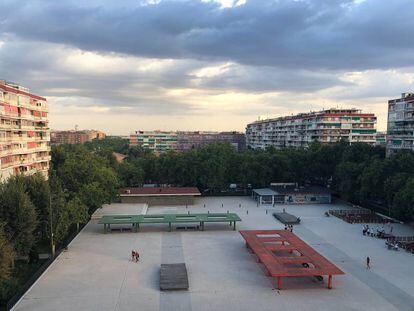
<point>51,226</point>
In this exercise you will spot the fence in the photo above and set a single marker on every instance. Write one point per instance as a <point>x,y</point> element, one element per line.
<point>362,215</point>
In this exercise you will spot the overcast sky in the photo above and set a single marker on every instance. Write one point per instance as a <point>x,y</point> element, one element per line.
<point>205,65</point>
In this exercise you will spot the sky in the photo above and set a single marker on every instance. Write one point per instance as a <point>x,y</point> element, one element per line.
<point>120,66</point>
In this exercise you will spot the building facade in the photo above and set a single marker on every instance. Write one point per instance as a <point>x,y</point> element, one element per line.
<point>157,141</point>
<point>381,139</point>
<point>181,141</point>
<point>190,140</point>
<point>24,132</point>
<point>75,136</point>
<point>326,126</point>
<point>400,131</point>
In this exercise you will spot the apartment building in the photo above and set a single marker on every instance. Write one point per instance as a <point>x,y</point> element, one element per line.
<point>75,136</point>
<point>190,140</point>
<point>400,132</point>
<point>157,141</point>
<point>381,139</point>
<point>324,126</point>
<point>24,131</point>
<point>181,141</point>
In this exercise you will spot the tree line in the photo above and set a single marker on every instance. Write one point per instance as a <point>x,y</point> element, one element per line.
<point>359,173</point>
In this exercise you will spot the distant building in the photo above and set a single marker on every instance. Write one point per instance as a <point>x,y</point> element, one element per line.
<point>24,131</point>
<point>381,139</point>
<point>400,132</point>
<point>161,141</point>
<point>290,193</point>
<point>190,140</point>
<point>324,126</point>
<point>157,141</point>
<point>75,136</point>
<point>159,195</point>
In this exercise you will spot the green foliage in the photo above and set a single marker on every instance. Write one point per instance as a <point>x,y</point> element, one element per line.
<point>403,201</point>
<point>111,144</point>
<point>19,214</point>
<point>6,256</point>
<point>39,192</point>
<point>359,172</point>
<point>87,175</point>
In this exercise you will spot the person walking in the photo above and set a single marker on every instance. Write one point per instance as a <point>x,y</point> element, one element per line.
<point>368,263</point>
<point>136,256</point>
<point>133,255</point>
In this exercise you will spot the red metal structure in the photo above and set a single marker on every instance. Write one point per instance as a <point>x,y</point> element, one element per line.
<point>285,255</point>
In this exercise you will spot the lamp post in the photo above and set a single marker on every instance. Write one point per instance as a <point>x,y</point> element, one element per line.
<point>51,226</point>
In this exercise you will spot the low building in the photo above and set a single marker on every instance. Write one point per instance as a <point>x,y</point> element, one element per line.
<point>159,195</point>
<point>75,136</point>
<point>290,193</point>
<point>264,196</point>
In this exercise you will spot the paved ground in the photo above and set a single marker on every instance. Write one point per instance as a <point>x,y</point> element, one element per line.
<point>97,274</point>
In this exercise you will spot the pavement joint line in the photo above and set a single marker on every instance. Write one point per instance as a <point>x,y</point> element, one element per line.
<point>396,296</point>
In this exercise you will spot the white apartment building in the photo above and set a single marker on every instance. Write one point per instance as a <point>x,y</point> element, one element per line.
<point>324,126</point>
<point>400,132</point>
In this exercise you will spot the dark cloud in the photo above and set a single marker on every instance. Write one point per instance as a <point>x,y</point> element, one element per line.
<point>318,34</point>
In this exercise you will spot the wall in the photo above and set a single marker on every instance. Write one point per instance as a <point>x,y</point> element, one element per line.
<point>161,200</point>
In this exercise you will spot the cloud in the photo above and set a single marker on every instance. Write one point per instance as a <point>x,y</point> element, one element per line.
<point>189,62</point>
<point>305,34</point>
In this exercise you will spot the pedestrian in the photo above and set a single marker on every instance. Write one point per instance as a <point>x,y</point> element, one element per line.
<point>391,229</point>
<point>364,230</point>
<point>368,263</point>
<point>136,256</point>
<point>133,255</point>
<point>291,228</point>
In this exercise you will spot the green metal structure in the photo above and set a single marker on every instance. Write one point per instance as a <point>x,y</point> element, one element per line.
<point>137,220</point>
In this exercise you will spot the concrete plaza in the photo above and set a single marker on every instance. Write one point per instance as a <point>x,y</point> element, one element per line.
<point>96,272</point>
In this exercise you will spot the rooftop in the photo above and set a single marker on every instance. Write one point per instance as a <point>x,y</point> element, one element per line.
<point>264,191</point>
<point>96,272</point>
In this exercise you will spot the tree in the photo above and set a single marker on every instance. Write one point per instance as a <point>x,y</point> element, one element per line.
<point>403,203</point>
<point>347,180</point>
<point>39,192</point>
<point>19,214</point>
<point>6,255</point>
<point>130,175</point>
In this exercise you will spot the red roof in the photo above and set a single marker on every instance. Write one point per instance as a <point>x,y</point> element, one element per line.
<point>158,191</point>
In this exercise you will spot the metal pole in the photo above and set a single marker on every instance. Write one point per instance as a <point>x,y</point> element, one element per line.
<point>51,224</point>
